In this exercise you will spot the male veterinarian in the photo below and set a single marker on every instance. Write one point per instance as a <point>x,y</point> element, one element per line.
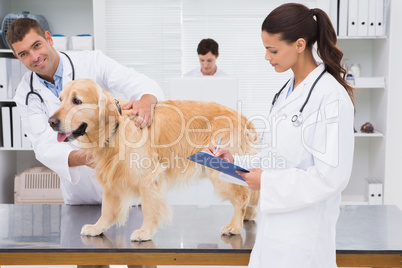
<point>37,98</point>
<point>208,53</point>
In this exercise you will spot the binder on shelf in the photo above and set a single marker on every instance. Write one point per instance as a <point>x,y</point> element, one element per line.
<point>374,192</point>
<point>353,17</point>
<point>343,18</point>
<point>16,125</point>
<point>5,70</point>
<point>15,75</point>
<point>6,126</point>
<point>379,17</point>
<point>363,11</point>
<point>371,18</point>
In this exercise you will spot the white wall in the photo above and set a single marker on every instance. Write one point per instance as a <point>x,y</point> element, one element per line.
<point>393,175</point>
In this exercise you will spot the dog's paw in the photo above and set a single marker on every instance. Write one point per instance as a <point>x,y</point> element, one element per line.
<point>91,230</point>
<point>230,230</point>
<point>141,235</point>
<point>251,213</point>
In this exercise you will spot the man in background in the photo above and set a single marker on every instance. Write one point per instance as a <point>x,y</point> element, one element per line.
<point>208,53</point>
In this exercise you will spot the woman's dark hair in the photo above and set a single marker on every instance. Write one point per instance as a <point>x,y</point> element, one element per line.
<point>293,21</point>
<point>208,45</point>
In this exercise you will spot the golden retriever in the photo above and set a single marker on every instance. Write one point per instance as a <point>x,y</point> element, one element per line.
<point>131,162</point>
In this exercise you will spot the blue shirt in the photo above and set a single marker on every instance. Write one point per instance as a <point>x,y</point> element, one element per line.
<point>58,80</point>
<point>290,90</point>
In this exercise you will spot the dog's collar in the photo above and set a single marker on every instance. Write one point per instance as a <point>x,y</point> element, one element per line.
<point>118,106</point>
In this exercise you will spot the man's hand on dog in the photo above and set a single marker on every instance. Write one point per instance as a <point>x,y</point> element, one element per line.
<point>80,158</point>
<point>142,110</point>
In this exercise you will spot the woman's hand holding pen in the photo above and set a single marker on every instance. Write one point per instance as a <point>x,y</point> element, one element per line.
<point>252,178</point>
<point>222,153</point>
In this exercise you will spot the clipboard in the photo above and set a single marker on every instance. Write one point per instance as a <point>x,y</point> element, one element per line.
<point>218,164</point>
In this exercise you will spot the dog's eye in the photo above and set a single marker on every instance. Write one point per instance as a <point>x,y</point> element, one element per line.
<point>77,101</point>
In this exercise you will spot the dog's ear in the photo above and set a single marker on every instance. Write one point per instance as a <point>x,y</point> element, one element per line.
<point>108,115</point>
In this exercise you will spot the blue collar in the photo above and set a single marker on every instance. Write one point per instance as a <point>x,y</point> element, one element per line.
<point>290,90</point>
<point>58,80</point>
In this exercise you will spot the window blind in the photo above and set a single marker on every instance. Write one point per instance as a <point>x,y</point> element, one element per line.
<point>160,38</point>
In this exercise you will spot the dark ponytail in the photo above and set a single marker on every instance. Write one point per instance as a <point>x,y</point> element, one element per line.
<point>293,21</point>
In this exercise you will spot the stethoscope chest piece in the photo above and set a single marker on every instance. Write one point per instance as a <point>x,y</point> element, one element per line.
<point>297,120</point>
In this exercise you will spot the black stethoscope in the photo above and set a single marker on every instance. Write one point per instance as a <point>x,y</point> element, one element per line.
<point>297,119</point>
<point>31,82</point>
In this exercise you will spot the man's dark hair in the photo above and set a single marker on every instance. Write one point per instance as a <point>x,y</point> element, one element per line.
<point>20,27</point>
<point>208,45</point>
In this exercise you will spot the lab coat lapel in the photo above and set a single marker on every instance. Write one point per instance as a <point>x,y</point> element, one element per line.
<point>46,94</point>
<point>301,91</point>
<point>283,101</point>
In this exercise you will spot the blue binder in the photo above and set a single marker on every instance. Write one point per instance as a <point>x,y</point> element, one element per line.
<point>216,163</point>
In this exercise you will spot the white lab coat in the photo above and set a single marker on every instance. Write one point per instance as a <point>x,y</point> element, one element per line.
<point>197,72</point>
<point>305,170</point>
<point>78,184</point>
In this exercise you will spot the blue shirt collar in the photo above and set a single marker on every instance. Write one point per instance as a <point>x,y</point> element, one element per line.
<point>58,79</point>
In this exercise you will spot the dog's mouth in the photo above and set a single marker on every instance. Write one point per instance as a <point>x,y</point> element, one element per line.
<point>65,137</point>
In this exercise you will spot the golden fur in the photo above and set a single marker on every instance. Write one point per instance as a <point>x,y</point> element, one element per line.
<point>131,162</point>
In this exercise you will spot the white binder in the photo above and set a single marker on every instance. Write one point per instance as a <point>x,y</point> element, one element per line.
<point>343,18</point>
<point>353,17</point>
<point>15,75</point>
<point>379,17</point>
<point>371,18</point>
<point>4,78</point>
<point>17,137</point>
<point>6,124</point>
<point>374,192</point>
<point>362,27</point>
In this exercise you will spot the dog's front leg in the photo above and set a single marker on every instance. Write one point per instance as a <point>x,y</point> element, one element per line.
<point>155,209</point>
<point>111,210</point>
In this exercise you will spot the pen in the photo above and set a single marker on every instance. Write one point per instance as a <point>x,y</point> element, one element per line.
<point>218,144</point>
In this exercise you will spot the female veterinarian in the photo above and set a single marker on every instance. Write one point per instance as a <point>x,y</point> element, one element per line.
<point>37,99</point>
<point>311,139</point>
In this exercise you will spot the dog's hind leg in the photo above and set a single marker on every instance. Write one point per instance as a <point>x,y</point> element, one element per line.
<point>251,210</point>
<point>238,195</point>
<point>114,208</point>
<point>155,208</point>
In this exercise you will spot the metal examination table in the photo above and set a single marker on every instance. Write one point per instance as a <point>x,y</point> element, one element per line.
<point>367,236</point>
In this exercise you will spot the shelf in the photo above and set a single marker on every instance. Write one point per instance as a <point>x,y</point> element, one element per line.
<point>15,149</point>
<point>370,82</point>
<point>362,37</point>
<point>376,134</point>
<point>371,87</point>
<point>7,100</point>
<point>5,50</point>
<point>354,200</point>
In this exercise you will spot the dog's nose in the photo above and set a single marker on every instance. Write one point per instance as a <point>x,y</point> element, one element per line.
<point>54,122</point>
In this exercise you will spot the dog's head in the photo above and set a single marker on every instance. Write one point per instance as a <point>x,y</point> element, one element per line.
<point>85,110</point>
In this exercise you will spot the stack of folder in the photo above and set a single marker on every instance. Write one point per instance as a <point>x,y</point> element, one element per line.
<point>361,18</point>
<point>12,134</point>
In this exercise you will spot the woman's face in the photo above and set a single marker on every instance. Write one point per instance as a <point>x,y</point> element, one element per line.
<point>280,54</point>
